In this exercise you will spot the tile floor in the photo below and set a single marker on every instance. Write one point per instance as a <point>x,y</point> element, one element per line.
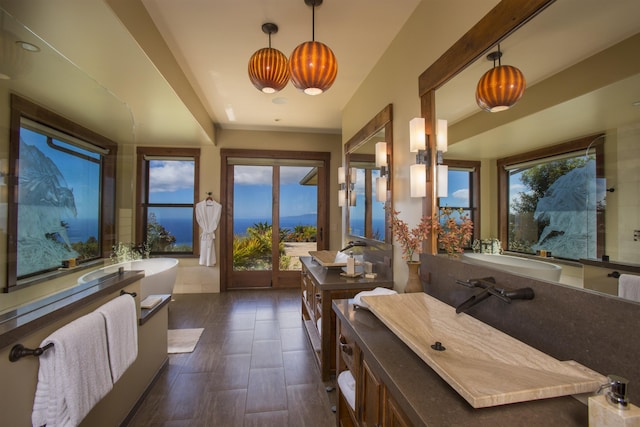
<point>253,366</point>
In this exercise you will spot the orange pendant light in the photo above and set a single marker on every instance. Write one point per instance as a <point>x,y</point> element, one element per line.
<point>500,87</point>
<point>268,67</point>
<point>313,65</point>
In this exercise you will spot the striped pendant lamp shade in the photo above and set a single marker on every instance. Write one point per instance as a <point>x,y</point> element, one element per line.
<point>269,70</point>
<point>313,67</point>
<point>500,88</point>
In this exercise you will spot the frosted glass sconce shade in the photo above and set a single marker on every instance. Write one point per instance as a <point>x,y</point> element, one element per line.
<point>441,135</point>
<point>443,180</point>
<point>417,138</point>
<point>342,197</point>
<point>342,178</point>
<point>381,189</point>
<point>381,154</point>
<point>418,178</point>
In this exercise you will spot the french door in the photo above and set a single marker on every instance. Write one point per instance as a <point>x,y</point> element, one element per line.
<point>274,211</point>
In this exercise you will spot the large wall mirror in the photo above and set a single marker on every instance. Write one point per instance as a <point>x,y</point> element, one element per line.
<point>368,162</point>
<point>54,124</point>
<point>580,85</point>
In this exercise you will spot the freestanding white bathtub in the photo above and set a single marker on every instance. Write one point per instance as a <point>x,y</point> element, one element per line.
<point>159,274</point>
<point>513,264</point>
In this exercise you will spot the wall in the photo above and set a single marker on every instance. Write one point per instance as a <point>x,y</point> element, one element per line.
<point>193,278</point>
<point>423,38</point>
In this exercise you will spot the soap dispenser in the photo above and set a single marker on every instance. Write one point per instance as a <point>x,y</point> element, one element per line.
<point>351,265</point>
<point>613,409</point>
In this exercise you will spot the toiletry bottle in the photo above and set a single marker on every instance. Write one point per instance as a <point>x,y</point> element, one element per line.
<point>351,264</point>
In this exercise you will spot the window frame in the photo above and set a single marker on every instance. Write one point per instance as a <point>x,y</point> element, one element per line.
<point>142,192</point>
<point>474,192</point>
<point>595,142</point>
<point>23,108</point>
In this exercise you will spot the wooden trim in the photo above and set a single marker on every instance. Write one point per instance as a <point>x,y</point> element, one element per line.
<point>142,187</point>
<point>378,121</point>
<point>475,191</point>
<point>596,141</point>
<point>506,17</point>
<point>383,119</point>
<point>21,107</point>
<point>226,189</point>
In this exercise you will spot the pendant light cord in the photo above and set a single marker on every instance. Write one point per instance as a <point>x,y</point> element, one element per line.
<point>313,22</point>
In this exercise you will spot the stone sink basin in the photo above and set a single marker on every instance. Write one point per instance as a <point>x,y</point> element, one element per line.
<point>327,258</point>
<point>485,366</point>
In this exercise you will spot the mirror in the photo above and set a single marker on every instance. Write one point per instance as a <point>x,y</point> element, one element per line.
<point>369,185</point>
<point>33,70</point>
<point>588,86</point>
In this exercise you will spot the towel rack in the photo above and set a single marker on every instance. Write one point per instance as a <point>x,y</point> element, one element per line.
<point>133,294</point>
<point>19,351</point>
<point>614,274</point>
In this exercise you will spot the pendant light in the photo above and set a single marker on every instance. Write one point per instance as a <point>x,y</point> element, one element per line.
<point>500,87</point>
<point>268,67</point>
<point>313,65</point>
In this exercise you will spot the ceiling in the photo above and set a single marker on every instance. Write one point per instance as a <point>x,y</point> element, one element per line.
<point>179,68</point>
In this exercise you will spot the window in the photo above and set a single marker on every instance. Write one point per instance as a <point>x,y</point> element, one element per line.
<point>553,200</point>
<point>167,193</point>
<point>464,191</point>
<point>57,205</point>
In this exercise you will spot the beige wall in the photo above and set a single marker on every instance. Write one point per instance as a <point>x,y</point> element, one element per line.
<point>394,80</point>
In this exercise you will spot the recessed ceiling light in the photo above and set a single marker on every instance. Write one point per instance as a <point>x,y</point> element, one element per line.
<point>28,46</point>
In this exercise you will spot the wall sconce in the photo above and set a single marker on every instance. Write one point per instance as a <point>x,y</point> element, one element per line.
<point>418,172</point>
<point>344,192</point>
<point>382,162</point>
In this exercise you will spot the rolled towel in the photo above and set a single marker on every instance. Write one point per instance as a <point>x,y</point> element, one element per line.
<point>347,385</point>
<point>357,300</point>
<point>629,287</point>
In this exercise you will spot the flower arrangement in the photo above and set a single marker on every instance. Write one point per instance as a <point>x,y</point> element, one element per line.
<point>410,240</point>
<point>454,229</point>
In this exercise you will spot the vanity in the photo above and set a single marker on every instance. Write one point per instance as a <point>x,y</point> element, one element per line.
<point>394,386</point>
<point>319,287</point>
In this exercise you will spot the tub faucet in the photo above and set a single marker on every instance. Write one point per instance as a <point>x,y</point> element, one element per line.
<point>487,289</point>
<point>353,243</point>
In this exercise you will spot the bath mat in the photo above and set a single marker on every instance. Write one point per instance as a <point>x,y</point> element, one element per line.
<point>183,340</point>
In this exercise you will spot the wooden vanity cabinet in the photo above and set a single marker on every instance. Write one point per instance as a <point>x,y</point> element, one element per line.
<point>375,406</point>
<point>319,287</point>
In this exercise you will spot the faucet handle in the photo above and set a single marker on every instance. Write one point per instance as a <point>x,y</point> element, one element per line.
<point>617,395</point>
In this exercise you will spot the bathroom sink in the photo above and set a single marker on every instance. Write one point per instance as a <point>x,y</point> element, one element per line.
<point>484,365</point>
<point>328,258</point>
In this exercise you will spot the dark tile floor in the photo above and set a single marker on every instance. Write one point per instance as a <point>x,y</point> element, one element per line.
<point>253,366</point>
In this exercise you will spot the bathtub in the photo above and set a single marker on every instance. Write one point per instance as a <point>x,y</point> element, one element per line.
<point>159,274</point>
<point>524,266</point>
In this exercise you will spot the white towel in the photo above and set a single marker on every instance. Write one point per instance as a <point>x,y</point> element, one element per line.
<point>347,385</point>
<point>357,300</point>
<point>121,320</point>
<point>629,287</point>
<point>74,374</point>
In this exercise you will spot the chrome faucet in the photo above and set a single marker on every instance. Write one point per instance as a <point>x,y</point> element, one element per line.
<point>487,289</point>
<point>353,243</point>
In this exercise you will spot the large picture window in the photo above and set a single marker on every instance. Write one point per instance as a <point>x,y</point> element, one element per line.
<point>555,202</point>
<point>56,206</point>
<point>167,195</point>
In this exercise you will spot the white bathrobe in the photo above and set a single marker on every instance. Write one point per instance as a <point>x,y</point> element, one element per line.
<point>208,215</point>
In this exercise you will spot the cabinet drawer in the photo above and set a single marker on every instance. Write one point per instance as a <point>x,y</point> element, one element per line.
<point>346,348</point>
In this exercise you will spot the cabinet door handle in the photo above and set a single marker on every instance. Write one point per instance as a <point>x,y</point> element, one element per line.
<point>346,348</point>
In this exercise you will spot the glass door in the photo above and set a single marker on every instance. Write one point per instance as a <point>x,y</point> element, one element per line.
<point>275,218</point>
